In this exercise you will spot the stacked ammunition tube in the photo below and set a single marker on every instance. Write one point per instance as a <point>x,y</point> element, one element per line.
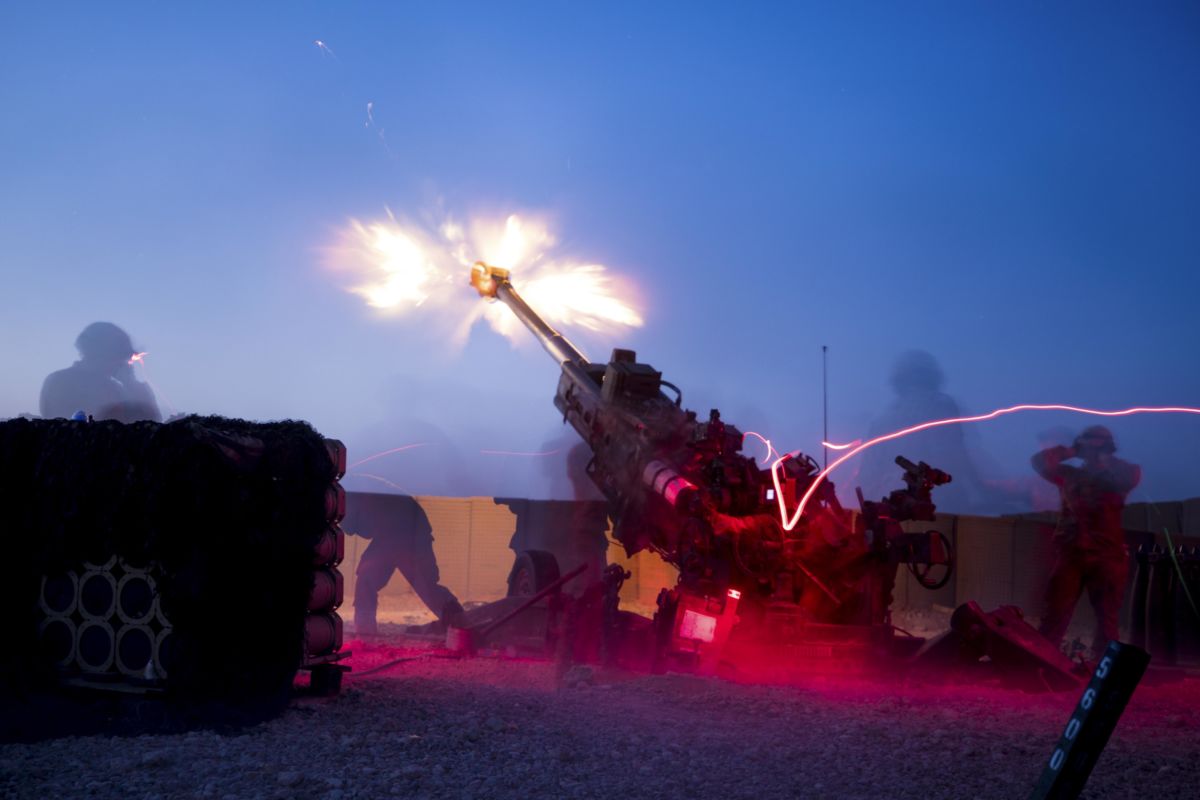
<point>105,619</point>
<point>198,557</point>
<point>323,625</point>
<point>108,618</point>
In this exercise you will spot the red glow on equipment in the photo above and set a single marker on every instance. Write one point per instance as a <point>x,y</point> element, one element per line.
<point>790,523</point>
<point>669,484</point>
<point>702,626</point>
<point>698,627</point>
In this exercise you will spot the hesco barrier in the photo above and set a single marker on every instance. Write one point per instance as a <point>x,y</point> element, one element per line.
<point>196,558</point>
<point>1001,561</point>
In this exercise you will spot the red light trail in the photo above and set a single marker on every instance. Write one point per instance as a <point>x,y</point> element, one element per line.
<point>771,451</point>
<point>852,449</point>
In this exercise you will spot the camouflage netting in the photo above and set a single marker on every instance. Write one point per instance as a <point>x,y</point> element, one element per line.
<point>224,513</point>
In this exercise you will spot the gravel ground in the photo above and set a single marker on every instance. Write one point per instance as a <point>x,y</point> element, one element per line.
<point>507,728</point>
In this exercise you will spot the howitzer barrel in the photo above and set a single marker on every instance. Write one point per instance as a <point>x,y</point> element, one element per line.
<point>494,283</point>
<point>554,342</point>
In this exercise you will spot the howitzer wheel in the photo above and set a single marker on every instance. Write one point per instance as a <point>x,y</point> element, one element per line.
<point>533,571</point>
<point>924,572</point>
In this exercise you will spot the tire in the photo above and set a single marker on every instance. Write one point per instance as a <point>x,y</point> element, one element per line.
<point>533,571</point>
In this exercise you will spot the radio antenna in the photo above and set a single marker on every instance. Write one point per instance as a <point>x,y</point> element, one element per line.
<point>825,402</point>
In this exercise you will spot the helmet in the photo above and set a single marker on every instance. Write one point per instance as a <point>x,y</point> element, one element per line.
<point>916,371</point>
<point>1098,437</point>
<point>104,341</point>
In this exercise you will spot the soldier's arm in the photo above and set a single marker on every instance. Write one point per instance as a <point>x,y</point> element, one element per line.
<point>1048,463</point>
<point>142,397</point>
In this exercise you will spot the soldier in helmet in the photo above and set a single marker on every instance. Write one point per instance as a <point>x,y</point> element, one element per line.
<point>1089,543</point>
<point>101,383</point>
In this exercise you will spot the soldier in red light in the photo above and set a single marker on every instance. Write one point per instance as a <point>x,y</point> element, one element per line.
<point>1089,543</point>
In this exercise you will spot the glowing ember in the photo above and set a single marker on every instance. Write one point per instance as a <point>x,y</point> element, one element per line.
<point>138,358</point>
<point>400,267</point>
<point>790,522</point>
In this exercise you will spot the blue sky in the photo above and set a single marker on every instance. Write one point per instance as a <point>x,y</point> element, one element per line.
<point>1012,187</point>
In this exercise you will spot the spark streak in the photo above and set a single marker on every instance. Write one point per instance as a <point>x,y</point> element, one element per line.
<point>324,48</point>
<point>382,480</point>
<point>517,453</point>
<point>790,522</point>
<point>379,132</point>
<point>388,453</point>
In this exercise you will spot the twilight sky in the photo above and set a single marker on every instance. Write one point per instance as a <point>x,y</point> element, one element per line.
<point>1013,187</point>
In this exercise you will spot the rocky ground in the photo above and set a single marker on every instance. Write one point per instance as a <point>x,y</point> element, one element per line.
<point>494,727</point>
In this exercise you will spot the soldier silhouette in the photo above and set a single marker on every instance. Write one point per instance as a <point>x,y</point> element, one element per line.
<point>101,383</point>
<point>401,539</point>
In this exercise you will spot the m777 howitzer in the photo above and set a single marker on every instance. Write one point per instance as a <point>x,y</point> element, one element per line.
<point>682,487</point>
